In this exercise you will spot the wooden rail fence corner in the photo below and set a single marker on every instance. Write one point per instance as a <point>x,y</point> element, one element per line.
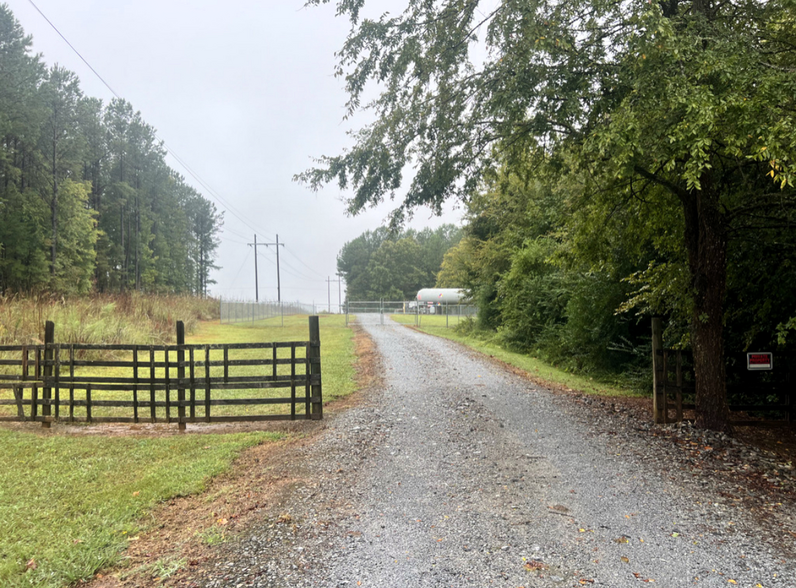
<point>213,382</point>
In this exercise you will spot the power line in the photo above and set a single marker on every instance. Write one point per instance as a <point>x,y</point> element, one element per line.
<point>302,263</point>
<point>225,205</point>
<point>73,49</point>
<point>245,259</point>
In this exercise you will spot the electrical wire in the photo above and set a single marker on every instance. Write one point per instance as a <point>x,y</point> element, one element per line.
<point>290,251</point>
<point>245,259</point>
<point>83,59</point>
<point>226,206</point>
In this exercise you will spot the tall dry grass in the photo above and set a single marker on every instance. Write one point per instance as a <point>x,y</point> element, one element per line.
<point>102,319</point>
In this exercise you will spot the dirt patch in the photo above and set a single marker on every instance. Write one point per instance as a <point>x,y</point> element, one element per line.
<point>181,533</point>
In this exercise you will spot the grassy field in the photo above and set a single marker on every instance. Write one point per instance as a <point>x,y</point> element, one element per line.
<point>429,320</point>
<point>70,504</point>
<point>540,371</point>
<point>102,319</point>
<point>335,344</point>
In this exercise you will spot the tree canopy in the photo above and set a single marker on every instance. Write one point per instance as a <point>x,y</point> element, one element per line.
<point>394,266</point>
<point>674,119</point>
<point>87,200</point>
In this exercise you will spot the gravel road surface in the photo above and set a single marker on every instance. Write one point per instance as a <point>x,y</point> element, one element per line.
<point>459,473</point>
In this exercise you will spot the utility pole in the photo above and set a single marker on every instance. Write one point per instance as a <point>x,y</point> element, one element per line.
<point>339,293</point>
<point>278,284</point>
<point>329,281</point>
<point>256,280</point>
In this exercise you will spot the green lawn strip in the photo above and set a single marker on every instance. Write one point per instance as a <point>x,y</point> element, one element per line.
<point>70,504</point>
<point>337,365</point>
<point>538,370</point>
<point>337,348</point>
<point>428,320</point>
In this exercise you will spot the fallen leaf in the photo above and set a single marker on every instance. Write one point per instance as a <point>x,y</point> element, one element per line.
<point>624,559</point>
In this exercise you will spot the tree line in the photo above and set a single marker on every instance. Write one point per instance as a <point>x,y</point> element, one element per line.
<point>87,201</point>
<point>619,160</point>
<point>390,265</point>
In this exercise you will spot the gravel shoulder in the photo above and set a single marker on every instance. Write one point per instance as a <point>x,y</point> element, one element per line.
<point>457,472</point>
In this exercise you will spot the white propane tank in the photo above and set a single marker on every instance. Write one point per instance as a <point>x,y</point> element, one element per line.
<point>444,295</point>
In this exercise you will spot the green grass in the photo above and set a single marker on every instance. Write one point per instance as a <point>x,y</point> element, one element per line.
<point>538,370</point>
<point>337,346</point>
<point>101,319</point>
<point>71,504</point>
<point>429,320</point>
<point>337,367</point>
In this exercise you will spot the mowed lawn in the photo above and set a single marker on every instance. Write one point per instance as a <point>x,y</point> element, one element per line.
<point>69,504</point>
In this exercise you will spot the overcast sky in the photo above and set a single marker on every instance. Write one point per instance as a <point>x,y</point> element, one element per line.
<point>243,92</point>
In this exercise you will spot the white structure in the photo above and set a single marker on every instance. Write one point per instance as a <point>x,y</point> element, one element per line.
<point>442,295</point>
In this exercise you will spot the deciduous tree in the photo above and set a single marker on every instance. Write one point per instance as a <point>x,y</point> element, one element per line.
<point>686,105</point>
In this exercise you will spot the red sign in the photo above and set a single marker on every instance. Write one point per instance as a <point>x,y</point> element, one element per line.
<point>759,361</point>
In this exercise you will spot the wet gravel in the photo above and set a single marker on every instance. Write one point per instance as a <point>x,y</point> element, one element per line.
<point>459,473</point>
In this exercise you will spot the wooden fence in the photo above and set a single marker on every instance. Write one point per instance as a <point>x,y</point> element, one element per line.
<point>756,399</point>
<point>161,383</point>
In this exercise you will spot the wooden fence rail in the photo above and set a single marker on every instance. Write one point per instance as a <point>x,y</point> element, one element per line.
<point>674,385</point>
<point>161,383</point>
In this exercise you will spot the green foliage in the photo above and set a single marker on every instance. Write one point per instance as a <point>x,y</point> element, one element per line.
<point>75,262</point>
<point>86,198</point>
<point>102,319</point>
<point>665,132</point>
<point>380,265</point>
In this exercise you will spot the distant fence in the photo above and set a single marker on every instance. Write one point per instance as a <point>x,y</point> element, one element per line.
<point>452,313</point>
<point>238,312</point>
<point>161,383</point>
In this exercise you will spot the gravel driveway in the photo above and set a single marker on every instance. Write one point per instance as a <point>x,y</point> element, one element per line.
<point>460,473</point>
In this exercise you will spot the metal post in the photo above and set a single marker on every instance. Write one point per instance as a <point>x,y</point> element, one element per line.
<point>256,281</point>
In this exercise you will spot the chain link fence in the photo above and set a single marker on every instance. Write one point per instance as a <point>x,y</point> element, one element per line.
<point>411,312</point>
<point>239,312</point>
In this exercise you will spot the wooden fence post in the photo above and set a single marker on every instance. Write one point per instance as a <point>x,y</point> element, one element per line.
<point>181,375</point>
<point>315,368</point>
<point>790,384</point>
<point>658,392</point>
<point>46,391</point>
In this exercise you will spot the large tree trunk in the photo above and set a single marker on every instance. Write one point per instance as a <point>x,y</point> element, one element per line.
<point>706,243</point>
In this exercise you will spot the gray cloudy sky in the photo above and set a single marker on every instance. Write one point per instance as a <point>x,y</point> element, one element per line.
<point>243,92</point>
